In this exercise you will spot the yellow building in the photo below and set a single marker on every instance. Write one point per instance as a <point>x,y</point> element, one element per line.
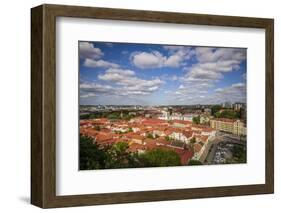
<point>233,126</point>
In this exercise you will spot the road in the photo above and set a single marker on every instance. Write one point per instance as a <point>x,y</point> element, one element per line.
<point>222,137</point>
<point>211,153</point>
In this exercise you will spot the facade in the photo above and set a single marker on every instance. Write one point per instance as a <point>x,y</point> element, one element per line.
<point>238,106</point>
<point>176,116</point>
<point>233,126</point>
<point>204,119</point>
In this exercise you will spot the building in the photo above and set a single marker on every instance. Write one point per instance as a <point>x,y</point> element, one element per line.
<point>227,105</point>
<point>233,126</point>
<point>238,106</point>
<point>207,111</point>
<point>204,119</point>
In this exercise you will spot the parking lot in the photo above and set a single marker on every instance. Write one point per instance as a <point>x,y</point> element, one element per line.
<point>221,151</point>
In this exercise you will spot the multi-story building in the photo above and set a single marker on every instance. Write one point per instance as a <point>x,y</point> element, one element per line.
<point>204,119</point>
<point>238,106</point>
<point>226,105</point>
<point>233,126</point>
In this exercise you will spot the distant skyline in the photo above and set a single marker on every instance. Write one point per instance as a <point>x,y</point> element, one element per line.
<point>153,74</point>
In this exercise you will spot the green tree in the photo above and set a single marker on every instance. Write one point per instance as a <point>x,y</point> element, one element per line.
<point>215,109</point>
<point>85,116</point>
<point>239,154</point>
<point>118,156</point>
<point>149,135</point>
<point>196,120</point>
<point>113,116</point>
<point>231,114</point>
<point>90,154</point>
<point>167,138</point>
<point>217,114</point>
<point>159,157</point>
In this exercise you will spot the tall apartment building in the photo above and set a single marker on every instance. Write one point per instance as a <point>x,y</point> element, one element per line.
<point>233,126</point>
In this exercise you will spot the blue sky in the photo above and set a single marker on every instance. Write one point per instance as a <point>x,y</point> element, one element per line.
<point>152,74</point>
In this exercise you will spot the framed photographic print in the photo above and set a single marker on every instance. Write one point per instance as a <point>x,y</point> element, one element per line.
<point>137,106</point>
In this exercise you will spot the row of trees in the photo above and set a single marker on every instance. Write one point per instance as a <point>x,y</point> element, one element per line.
<point>92,156</point>
<point>125,115</point>
<point>227,113</point>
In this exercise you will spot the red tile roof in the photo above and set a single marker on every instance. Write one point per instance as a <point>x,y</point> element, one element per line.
<point>184,154</point>
<point>148,140</point>
<point>152,121</point>
<point>227,120</point>
<point>162,141</point>
<point>202,138</point>
<point>138,137</point>
<point>207,129</point>
<point>181,122</point>
<point>134,147</point>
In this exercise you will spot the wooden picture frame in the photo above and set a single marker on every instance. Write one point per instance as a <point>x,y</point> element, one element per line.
<point>43,105</point>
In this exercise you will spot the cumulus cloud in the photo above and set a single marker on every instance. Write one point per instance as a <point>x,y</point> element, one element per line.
<point>92,89</point>
<point>99,63</point>
<point>208,54</point>
<point>199,69</point>
<point>129,83</point>
<point>117,75</point>
<point>199,74</point>
<point>88,50</point>
<point>176,57</point>
<point>92,56</point>
<point>146,60</point>
<point>211,64</point>
<point>87,95</point>
<point>234,93</point>
<point>214,61</point>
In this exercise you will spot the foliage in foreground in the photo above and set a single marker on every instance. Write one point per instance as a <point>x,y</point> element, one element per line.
<point>92,156</point>
<point>194,163</point>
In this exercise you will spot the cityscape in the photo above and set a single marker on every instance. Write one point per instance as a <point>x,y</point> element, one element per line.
<point>148,105</point>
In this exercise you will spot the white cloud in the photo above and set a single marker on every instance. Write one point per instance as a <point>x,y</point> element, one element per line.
<point>116,75</point>
<point>234,93</point>
<point>181,87</point>
<point>200,74</point>
<point>173,61</point>
<point>129,84</point>
<point>212,63</point>
<point>190,95</point>
<point>94,87</point>
<point>88,50</point>
<point>176,57</point>
<point>207,54</point>
<point>88,95</point>
<point>146,60</point>
<point>99,63</point>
